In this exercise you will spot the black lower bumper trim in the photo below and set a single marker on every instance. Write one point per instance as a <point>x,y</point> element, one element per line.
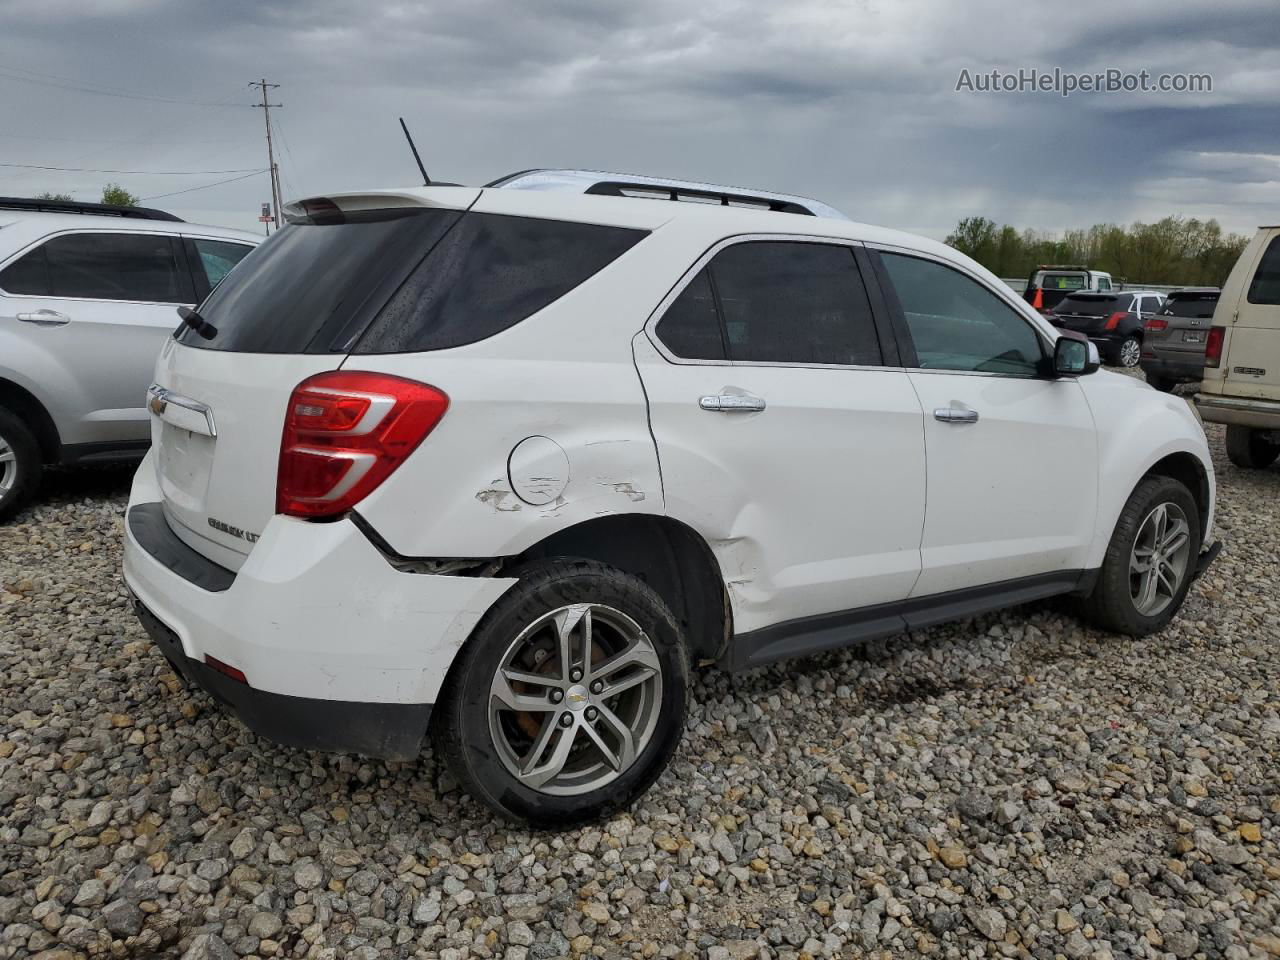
<point>151,530</point>
<point>388,731</point>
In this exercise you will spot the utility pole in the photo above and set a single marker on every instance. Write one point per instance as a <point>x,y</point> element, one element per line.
<point>271,158</point>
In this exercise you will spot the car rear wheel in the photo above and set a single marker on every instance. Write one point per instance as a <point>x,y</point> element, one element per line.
<point>20,464</point>
<point>1251,448</point>
<point>569,699</point>
<point>1150,561</point>
<point>1129,352</point>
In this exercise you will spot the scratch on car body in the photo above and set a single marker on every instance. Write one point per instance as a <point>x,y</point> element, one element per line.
<point>503,501</point>
<point>628,490</point>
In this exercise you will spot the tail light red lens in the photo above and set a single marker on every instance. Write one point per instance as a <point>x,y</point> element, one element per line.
<point>1213,346</point>
<point>1155,323</point>
<point>344,433</point>
<point>1113,321</point>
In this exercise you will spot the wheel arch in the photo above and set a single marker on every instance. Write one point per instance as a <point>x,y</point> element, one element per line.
<point>25,405</point>
<point>1188,470</point>
<point>666,554</point>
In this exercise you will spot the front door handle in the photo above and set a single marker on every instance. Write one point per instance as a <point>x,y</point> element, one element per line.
<point>45,318</point>
<point>955,415</point>
<point>731,403</point>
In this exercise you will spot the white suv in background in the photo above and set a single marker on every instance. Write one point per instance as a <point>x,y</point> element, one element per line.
<point>506,461</point>
<point>87,296</point>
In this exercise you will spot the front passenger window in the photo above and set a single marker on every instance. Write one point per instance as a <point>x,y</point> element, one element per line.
<point>957,324</point>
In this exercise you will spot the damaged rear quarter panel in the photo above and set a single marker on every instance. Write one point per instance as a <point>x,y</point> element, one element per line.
<point>453,496</point>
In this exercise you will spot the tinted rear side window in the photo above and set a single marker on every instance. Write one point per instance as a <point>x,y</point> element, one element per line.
<point>27,276</point>
<point>309,285</point>
<point>1265,287</point>
<point>691,328</point>
<point>788,302</point>
<point>488,273</point>
<point>103,266</point>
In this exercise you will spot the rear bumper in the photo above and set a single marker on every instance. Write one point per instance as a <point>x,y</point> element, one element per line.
<point>1239,411</point>
<point>387,730</point>
<point>340,650</point>
<point>1184,370</point>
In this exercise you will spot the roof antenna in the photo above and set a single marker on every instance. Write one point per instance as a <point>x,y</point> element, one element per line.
<point>426,181</point>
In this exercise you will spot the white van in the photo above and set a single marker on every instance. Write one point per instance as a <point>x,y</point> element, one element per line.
<point>1241,385</point>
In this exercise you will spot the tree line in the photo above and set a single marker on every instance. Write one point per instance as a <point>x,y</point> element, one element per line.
<point>1174,251</point>
<point>112,194</point>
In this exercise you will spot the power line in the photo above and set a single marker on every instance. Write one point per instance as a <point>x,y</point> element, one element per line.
<point>206,186</point>
<point>25,136</point>
<point>11,73</point>
<point>153,173</point>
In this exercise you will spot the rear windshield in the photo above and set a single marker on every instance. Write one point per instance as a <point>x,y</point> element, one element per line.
<point>1063,281</point>
<point>1092,305</point>
<point>309,282</point>
<point>401,281</point>
<point>1197,307</point>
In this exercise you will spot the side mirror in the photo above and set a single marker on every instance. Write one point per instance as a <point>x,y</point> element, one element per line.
<point>1074,355</point>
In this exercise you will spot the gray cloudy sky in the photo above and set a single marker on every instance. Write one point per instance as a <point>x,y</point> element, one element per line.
<point>851,102</point>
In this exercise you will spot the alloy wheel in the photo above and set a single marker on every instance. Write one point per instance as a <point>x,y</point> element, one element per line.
<point>575,699</point>
<point>8,467</point>
<point>1159,559</point>
<point>1130,352</point>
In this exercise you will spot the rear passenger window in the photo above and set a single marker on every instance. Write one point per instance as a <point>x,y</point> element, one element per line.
<point>787,302</point>
<point>487,274</point>
<point>691,327</point>
<point>103,266</point>
<point>778,302</point>
<point>1265,287</point>
<point>957,324</point>
<point>27,276</point>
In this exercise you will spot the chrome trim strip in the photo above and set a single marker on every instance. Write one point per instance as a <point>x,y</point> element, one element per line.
<point>183,412</point>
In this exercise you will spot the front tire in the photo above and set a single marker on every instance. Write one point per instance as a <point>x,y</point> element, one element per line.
<point>1150,561</point>
<point>569,698</point>
<point>20,464</point>
<point>1250,448</point>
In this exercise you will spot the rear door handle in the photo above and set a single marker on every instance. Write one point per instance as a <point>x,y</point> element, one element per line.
<point>731,403</point>
<point>45,318</point>
<point>955,415</point>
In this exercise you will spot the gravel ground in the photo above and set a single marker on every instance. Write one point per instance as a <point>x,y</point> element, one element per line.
<point>1015,784</point>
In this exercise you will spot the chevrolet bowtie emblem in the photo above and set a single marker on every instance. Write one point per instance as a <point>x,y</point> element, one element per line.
<point>576,697</point>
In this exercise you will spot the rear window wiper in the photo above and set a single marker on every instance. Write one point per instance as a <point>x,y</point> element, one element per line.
<point>197,323</point>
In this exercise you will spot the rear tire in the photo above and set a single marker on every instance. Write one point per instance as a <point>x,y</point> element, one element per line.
<point>1163,384</point>
<point>1249,447</point>
<point>1129,352</point>
<point>20,464</point>
<point>1128,598</point>
<point>556,748</point>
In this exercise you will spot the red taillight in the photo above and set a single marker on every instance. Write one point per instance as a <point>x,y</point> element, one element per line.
<point>1155,323</point>
<point>344,433</point>
<point>1113,321</point>
<point>213,663</point>
<point>1213,346</point>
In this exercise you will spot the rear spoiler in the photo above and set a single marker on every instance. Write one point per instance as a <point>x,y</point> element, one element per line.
<point>439,198</point>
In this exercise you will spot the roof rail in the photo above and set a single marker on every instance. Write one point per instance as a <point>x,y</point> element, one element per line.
<point>37,205</point>
<point>600,183</point>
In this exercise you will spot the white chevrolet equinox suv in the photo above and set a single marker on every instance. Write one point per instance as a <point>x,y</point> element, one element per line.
<point>501,463</point>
